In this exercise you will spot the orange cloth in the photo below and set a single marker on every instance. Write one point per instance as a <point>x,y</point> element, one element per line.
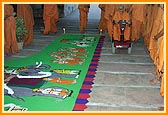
<point>159,62</point>
<point>108,15</point>
<point>148,25</point>
<point>50,17</point>
<point>103,21</point>
<point>151,14</point>
<point>127,7</point>
<point>156,47</point>
<point>158,25</point>
<point>10,42</point>
<point>159,58</point>
<point>138,18</point>
<point>83,10</point>
<point>25,11</point>
<point>117,17</point>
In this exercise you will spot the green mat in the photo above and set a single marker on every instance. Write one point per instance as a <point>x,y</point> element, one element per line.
<point>44,103</point>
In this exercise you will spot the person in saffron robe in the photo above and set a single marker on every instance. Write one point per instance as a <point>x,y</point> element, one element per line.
<point>50,17</point>
<point>138,15</point>
<point>10,42</point>
<point>158,25</point>
<point>103,21</point>
<point>160,64</point>
<point>83,10</point>
<point>109,13</point>
<point>156,47</point>
<point>121,14</point>
<point>25,11</point>
<point>148,24</point>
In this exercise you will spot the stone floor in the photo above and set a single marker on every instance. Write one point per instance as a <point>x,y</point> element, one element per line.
<point>122,80</point>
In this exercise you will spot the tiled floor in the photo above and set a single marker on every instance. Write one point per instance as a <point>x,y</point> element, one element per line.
<point>122,80</point>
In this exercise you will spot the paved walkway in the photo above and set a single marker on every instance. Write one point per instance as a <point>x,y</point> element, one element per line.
<point>122,80</point>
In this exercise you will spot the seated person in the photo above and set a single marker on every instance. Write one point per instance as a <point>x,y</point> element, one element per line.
<point>121,14</point>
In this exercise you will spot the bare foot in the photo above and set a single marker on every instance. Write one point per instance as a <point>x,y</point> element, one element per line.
<point>161,109</point>
<point>154,81</point>
<point>8,54</point>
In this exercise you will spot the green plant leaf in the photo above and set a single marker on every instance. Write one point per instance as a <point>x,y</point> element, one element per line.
<point>20,29</point>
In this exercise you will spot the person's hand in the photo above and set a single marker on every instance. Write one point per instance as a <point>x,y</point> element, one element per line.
<point>114,22</point>
<point>154,38</point>
<point>129,22</point>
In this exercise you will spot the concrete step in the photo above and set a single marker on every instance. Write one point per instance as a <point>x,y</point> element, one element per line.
<point>132,98</point>
<point>125,95</point>
<point>118,68</point>
<point>125,51</point>
<point>125,80</point>
<point>122,80</point>
<point>127,59</point>
<point>111,108</point>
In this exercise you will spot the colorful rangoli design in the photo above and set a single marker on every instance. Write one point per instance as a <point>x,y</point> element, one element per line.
<point>70,56</point>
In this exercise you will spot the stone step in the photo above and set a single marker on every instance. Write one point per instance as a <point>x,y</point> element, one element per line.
<point>110,108</point>
<point>125,68</point>
<point>24,53</point>
<point>125,51</point>
<point>121,80</point>
<point>121,96</point>
<point>108,44</point>
<point>125,59</point>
